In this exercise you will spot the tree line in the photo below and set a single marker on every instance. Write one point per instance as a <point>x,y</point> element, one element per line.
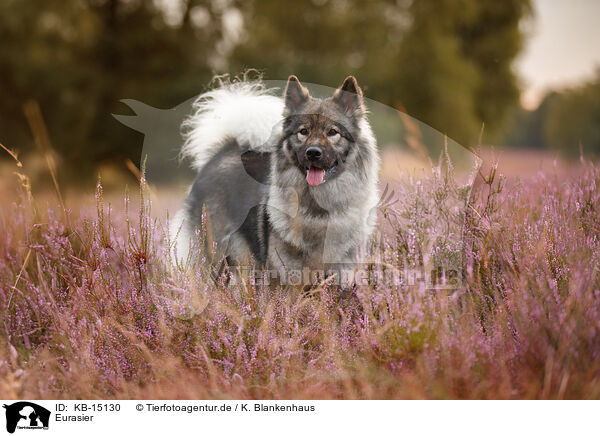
<point>448,63</point>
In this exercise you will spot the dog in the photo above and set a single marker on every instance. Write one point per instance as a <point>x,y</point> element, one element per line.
<point>289,184</point>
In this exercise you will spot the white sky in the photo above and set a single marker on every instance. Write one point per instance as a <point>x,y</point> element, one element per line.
<point>563,49</point>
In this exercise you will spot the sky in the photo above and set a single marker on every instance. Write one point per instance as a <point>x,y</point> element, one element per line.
<point>563,48</point>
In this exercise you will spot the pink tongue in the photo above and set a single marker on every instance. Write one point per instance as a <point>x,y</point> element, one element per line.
<point>314,176</point>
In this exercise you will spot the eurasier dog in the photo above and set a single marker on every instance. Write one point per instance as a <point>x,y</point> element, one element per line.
<point>289,184</point>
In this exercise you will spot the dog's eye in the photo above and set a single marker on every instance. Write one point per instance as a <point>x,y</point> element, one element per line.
<point>303,132</point>
<point>332,132</point>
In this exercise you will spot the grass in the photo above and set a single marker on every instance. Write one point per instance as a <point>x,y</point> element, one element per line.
<point>90,307</point>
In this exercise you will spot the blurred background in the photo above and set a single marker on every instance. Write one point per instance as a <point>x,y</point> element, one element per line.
<point>528,70</point>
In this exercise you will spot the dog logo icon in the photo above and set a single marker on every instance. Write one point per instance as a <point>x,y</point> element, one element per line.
<point>26,415</point>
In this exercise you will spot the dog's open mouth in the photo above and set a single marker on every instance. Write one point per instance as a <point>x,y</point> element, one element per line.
<point>316,175</point>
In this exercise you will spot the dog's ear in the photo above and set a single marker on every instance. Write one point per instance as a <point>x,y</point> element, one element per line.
<point>295,94</point>
<point>349,97</point>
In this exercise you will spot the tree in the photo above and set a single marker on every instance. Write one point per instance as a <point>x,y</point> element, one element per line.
<point>525,127</point>
<point>78,58</point>
<point>572,119</point>
<point>567,120</point>
<point>320,41</point>
<point>448,62</point>
<point>457,64</point>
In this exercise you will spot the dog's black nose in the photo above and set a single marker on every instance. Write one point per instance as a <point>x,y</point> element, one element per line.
<point>313,153</point>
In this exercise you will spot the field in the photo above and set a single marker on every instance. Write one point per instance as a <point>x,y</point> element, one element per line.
<point>91,308</point>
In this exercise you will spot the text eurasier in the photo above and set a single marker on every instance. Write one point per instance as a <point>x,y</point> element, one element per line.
<point>283,183</point>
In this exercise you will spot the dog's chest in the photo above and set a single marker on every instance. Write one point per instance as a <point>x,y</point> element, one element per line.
<point>299,220</point>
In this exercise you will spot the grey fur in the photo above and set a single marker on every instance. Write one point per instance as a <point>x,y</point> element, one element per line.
<point>258,200</point>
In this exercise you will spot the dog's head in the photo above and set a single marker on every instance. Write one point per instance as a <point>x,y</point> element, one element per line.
<point>319,135</point>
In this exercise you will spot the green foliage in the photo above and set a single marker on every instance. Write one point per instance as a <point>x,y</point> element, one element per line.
<point>573,119</point>
<point>564,121</point>
<point>455,66</point>
<point>448,63</point>
<point>79,58</point>
<point>524,128</point>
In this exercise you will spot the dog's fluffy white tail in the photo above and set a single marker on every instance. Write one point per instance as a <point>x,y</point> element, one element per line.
<point>245,111</point>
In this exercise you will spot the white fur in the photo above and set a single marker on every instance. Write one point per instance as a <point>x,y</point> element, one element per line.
<point>245,111</point>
